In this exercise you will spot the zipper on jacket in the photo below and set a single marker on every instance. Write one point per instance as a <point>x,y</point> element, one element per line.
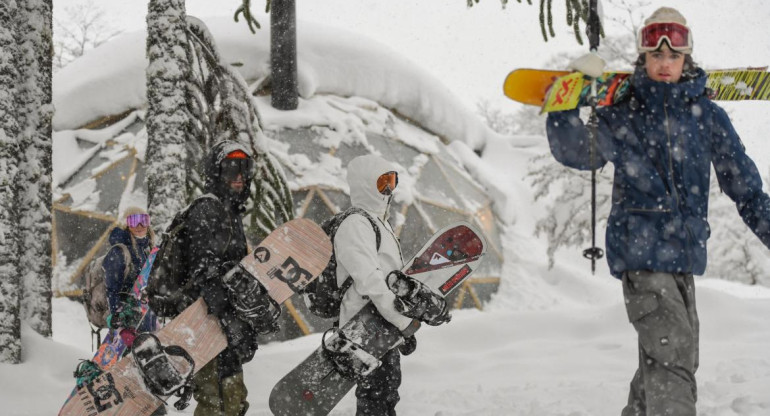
<point>670,151</point>
<point>648,210</point>
<point>690,238</point>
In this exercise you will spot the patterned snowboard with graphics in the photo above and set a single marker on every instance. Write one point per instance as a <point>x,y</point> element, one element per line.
<point>112,347</point>
<point>564,90</point>
<point>314,387</point>
<point>285,262</point>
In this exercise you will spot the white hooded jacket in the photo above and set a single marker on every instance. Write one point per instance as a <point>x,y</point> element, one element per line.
<point>355,245</point>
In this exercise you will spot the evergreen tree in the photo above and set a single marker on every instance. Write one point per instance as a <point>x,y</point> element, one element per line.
<point>10,278</point>
<point>168,118</point>
<point>35,111</point>
<point>211,103</point>
<point>223,108</point>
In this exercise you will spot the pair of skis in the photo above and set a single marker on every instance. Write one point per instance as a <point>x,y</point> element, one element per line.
<point>564,90</point>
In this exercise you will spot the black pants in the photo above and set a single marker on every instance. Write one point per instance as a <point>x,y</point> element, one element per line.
<point>378,394</point>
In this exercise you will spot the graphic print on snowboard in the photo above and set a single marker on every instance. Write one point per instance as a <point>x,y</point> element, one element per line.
<point>317,384</point>
<point>286,260</point>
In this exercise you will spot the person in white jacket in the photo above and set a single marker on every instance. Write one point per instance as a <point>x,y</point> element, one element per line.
<point>372,181</point>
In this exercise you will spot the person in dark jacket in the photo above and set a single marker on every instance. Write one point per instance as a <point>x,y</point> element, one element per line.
<point>216,242</point>
<point>135,239</point>
<point>662,138</point>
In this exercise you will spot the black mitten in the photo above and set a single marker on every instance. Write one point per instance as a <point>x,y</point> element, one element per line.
<point>409,345</point>
<point>215,296</point>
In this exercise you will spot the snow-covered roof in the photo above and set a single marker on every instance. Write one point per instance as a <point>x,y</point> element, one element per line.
<point>110,79</point>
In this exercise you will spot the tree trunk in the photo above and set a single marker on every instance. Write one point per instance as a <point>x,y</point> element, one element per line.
<point>34,28</point>
<point>283,54</point>
<point>10,279</point>
<point>168,119</point>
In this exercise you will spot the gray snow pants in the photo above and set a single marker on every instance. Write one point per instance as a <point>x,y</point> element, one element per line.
<point>661,306</point>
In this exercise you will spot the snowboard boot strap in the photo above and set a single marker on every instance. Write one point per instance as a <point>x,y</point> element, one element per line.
<point>348,358</point>
<point>424,305</point>
<point>251,301</point>
<point>160,376</point>
<point>86,372</point>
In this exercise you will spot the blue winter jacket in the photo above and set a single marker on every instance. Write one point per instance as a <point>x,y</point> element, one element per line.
<point>114,265</point>
<point>662,139</point>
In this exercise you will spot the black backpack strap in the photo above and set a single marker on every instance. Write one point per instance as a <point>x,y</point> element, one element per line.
<point>378,238</point>
<point>377,235</point>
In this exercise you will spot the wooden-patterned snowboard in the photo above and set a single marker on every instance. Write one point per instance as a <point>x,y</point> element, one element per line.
<point>285,262</point>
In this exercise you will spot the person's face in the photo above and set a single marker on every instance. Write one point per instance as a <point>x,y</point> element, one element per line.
<point>664,64</point>
<point>237,183</point>
<point>140,231</point>
<point>138,224</point>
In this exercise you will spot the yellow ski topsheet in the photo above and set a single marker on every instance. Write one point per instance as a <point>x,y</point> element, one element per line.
<point>533,86</point>
<point>734,85</point>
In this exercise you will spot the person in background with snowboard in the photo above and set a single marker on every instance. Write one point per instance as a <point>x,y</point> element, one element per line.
<point>662,137</point>
<point>372,181</point>
<point>215,243</point>
<point>119,278</point>
<point>119,275</point>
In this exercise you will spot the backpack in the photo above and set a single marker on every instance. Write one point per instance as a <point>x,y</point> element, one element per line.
<point>95,290</point>
<point>167,284</point>
<point>322,296</point>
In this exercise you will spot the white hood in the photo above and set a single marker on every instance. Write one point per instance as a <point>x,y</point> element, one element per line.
<point>363,172</point>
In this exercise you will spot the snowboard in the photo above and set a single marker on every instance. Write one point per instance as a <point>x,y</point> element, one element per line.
<point>564,90</point>
<point>288,259</point>
<point>315,387</point>
<point>113,347</point>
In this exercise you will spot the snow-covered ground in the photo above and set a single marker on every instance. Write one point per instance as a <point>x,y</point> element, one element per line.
<point>572,358</point>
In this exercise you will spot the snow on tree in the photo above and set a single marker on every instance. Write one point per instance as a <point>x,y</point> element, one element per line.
<point>10,278</point>
<point>34,112</point>
<point>223,108</point>
<point>168,119</point>
<point>195,101</point>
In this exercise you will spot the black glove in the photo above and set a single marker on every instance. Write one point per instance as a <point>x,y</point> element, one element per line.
<point>409,345</point>
<point>241,337</point>
<point>215,296</point>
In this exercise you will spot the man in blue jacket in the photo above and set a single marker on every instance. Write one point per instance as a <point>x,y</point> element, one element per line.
<point>662,138</point>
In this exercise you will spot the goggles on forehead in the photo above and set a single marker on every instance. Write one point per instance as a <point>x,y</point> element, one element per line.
<point>230,168</point>
<point>387,182</point>
<point>134,220</point>
<point>676,35</point>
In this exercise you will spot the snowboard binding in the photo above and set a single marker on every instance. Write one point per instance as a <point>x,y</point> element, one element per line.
<point>349,359</point>
<point>251,301</point>
<point>159,374</point>
<point>416,300</point>
<point>86,372</point>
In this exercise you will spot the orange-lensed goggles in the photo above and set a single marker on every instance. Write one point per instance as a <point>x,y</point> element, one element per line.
<point>387,182</point>
<point>651,37</point>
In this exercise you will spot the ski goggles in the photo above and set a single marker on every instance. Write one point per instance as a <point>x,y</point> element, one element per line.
<point>676,35</point>
<point>135,220</point>
<point>229,169</point>
<point>387,182</point>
